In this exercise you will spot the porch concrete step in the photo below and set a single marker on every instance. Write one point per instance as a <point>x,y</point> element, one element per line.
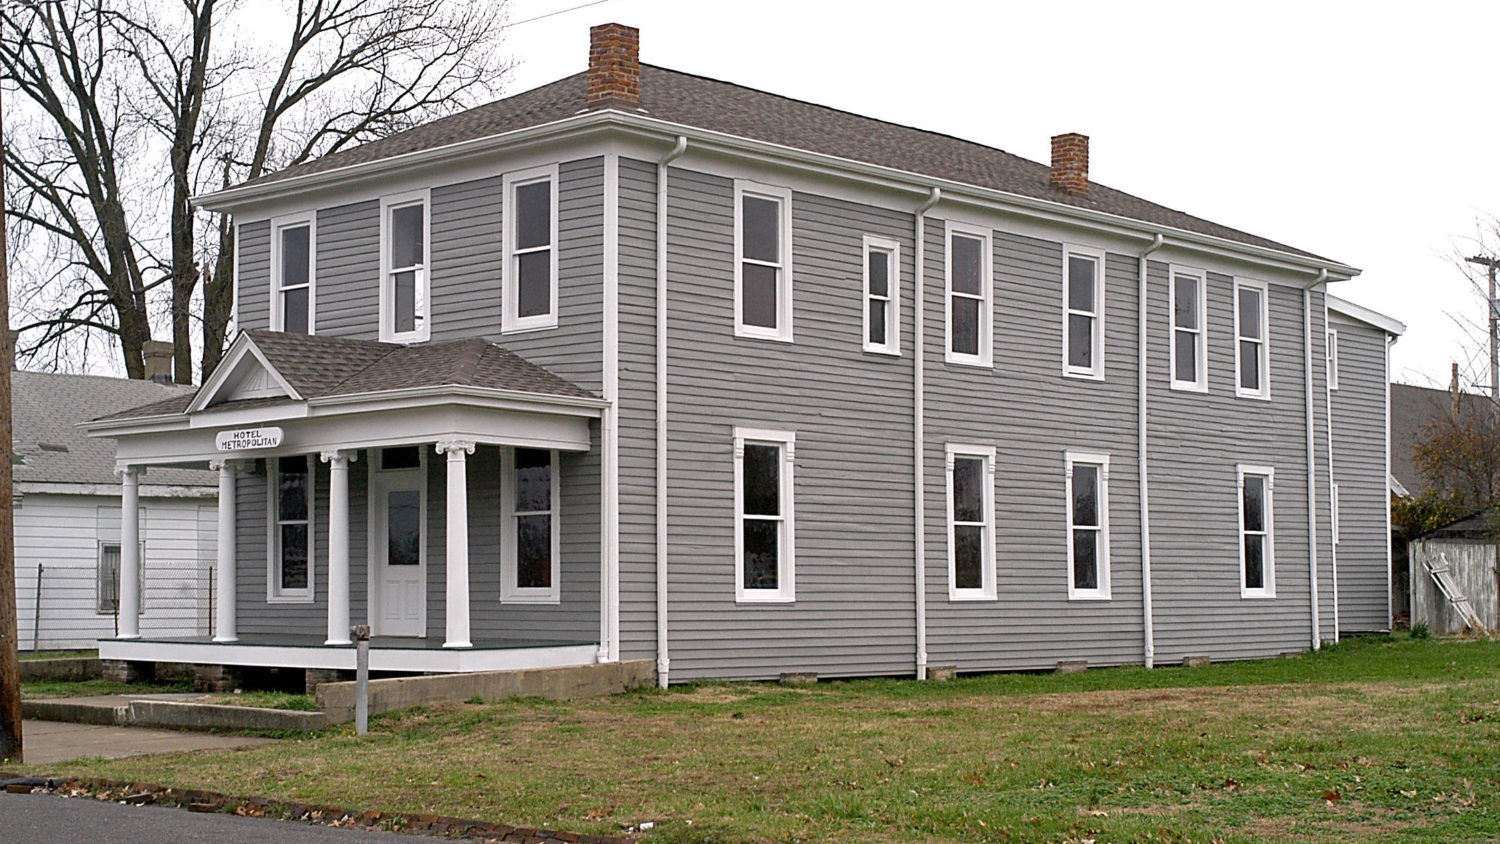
<point>165,712</point>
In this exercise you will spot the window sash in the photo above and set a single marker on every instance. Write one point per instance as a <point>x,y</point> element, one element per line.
<point>882,252</point>
<point>1076,466</point>
<point>1331,351</point>
<point>406,312</point>
<point>514,514</point>
<point>529,304</point>
<point>282,291</point>
<point>980,301</point>
<point>782,585</point>
<point>1090,317</point>
<point>1263,537</point>
<point>754,316</point>
<point>985,457</point>
<point>1197,332</point>
<point>276,588</point>
<point>1252,350</point>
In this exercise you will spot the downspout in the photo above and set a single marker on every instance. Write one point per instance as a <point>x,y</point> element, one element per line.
<point>919,431</point>
<point>1312,462</point>
<point>1145,493</point>
<point>1333,517</point>
<point>663,664</point>
<point>1390,560</point>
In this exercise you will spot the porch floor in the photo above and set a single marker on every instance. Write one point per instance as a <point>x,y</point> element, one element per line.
<point>387,653</point>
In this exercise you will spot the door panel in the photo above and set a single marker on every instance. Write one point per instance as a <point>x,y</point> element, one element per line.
<point>400,561</point>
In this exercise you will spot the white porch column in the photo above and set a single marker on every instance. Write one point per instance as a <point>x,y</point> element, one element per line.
<point>338,546</point>
<point>130,552</point>
<point>224,609</point>
<point>458,541</point>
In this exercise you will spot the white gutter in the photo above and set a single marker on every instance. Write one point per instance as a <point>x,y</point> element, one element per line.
<point>1149,633</point>
<point>663,663</point>
<point>919,429</point>
<point>609,421</point>
<point>1312,463</point>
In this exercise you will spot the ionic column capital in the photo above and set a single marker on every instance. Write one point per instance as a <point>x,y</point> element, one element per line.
<point>224,463</point>
<point>130,473</point>
<point>338,456</point>
<point>455,448</point>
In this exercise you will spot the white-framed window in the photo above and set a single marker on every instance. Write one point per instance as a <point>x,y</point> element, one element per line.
<point>289,568</point>
<point>530,549</point>
<point>1332,350</point>
<point>968,288</point>
<point>1187,294</point>
<point>107,583</point>
<point>764,524</point>
<point>294,258</point>
<point>1083,312</point>
<point>882,295</point>
<point>530,278</point>
<point>405,267</point>
<point>1252,358</point>
<point>1335,502</point>
<point>971,522</point>
<point>762,261</point>
<point>1087,483</point>
<point>1257,485</point>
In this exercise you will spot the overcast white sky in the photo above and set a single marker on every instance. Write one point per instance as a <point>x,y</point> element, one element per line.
<point>1364,132</point>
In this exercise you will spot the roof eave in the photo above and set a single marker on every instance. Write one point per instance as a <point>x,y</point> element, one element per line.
<point>1389,325</point>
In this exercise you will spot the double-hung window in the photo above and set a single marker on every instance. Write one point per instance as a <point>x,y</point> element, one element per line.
<point>762,261</point>
<point>107,584</point>
<point>764,528</point>
<point>1257,546</point>
<point>1252,358</point>
<point>1189,342</point>
<point>530,548</point>
<point>530,290</point>
<point>971,522</point>
<point>1083,312</point>
<point>290,570</point>
<point>405,268</point>
<point>1332,350</point>
<point>882,295</point>
<point>1087,486</point>
<point>293,272</point>
<point>968,294</point>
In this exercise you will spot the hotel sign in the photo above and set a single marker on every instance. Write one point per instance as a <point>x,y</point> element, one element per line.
<point>248,439</point>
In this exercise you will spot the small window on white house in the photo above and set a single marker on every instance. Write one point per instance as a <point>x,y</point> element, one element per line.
<point>293,260</point>
<point>1083,312</point>
<point>882,295</point>
<point>968,295</point>
<point>1087,486</point>
<point>530,250</point>
<point>1252,358</point>
<point>1189,341</point>
<point>764,528</point>
<point>1257,545</point>
<point>290,569</point>
<point>971,523</point>
<point>530,549</point>
<point>1333,360</point>
<point>763,261</point>
<point>107,589</point>
<point>406,276</point>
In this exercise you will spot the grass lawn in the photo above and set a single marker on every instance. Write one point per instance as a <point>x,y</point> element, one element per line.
<point>266,700</point>
<point>58,654</point>
<point>90,688</point>
<point>1372,740</point>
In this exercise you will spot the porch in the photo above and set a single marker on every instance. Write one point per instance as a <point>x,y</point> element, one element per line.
<point>396,654</point>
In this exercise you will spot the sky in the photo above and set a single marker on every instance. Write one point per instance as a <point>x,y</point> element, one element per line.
<point>1362,132</point>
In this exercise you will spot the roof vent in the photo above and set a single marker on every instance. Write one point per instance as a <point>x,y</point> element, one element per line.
<point>1070,162</point>
<point>58,447</point>
<point>614,64</point>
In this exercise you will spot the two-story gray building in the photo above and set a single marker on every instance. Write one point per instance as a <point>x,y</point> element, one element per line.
<point>640,364</point>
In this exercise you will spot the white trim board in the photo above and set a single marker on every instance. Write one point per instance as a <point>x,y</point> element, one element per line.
<point>417,660</point>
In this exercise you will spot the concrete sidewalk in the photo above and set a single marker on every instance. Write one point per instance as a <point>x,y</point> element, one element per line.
<point>52,741</point>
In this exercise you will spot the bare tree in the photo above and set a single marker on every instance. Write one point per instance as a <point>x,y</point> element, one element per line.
<point>142,86</point>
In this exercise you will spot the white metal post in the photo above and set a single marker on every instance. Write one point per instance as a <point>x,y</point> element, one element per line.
<point>338,546</point>
<point>130,552</point>
<point>224,610</point>
<point>457,608</point>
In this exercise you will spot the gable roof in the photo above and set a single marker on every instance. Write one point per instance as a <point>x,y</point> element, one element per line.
<point>324,367</point>
<point>724,107</point>
<point>52,449</point>
<point>1413,409</point>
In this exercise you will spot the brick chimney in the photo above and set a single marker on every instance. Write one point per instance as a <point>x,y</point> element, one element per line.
<point>614,64</point>
<point>1070,162</point>
<point>158,359</point>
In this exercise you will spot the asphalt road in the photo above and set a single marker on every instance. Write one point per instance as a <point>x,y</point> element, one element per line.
<point>48,819</point>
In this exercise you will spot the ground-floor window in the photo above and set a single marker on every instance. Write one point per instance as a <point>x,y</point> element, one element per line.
<point>1257,545</point>
<point>764,527</point>
<point>971,522</point>
<point>290,570</point>
<point>530,549</point>
<point>1088,525</point>
<point>107,589</point>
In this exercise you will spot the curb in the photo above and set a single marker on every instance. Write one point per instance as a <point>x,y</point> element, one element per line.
<point>195,800</point>
<point>175,715</point>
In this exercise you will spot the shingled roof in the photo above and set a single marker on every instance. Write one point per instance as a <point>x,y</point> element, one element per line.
<point>724,107</point>
<point>322,367</point>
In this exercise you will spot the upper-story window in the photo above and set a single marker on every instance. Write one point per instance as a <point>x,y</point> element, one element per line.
<point>530,289</point>
<point>1083,312</point>
<point>1257,535</point>
<point>293,260</point>
<point>968,294</point>
<point>1252,356</point>
<point>882,295</point>
<point>762,261</point>
<point>764,527</point>
<point>1188,347</point>
<point>405,268</point>
<point>1088,525</point>
<point>971,522</point>
<point>1332,350</point>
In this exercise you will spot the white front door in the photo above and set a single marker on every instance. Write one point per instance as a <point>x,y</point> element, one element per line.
<point>398,553</point>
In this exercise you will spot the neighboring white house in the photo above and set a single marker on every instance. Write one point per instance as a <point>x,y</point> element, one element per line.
<point>68,519</point>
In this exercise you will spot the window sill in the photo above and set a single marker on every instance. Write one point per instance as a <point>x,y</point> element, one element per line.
<point>968,360</point>
<point>289,599</point>
<point>524,327</point>
<point>531,599</point>
<point>1256,595</point>
<point>969,597</point>
<point>1239,394</point>
<point>405,339</point>
<point>1189,387</point>
<point>1080,375</point>
<point>883,352</point>
<point>752,598</point>
<point>753,334</point>
<point>1089,596</point>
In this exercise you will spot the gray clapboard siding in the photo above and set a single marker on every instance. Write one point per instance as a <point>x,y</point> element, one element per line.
<point>1032,415</point>
<point>467,259</point>
<point>852,416</point>
<point>1359,455</point>
<point>348,271</point>
<point>254,275</point>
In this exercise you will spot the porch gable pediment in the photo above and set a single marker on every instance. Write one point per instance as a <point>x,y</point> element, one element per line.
<point>245,373</point>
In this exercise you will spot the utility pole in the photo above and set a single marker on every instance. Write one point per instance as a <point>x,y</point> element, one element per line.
<point>10,664</point>
<point>1490,263</point>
